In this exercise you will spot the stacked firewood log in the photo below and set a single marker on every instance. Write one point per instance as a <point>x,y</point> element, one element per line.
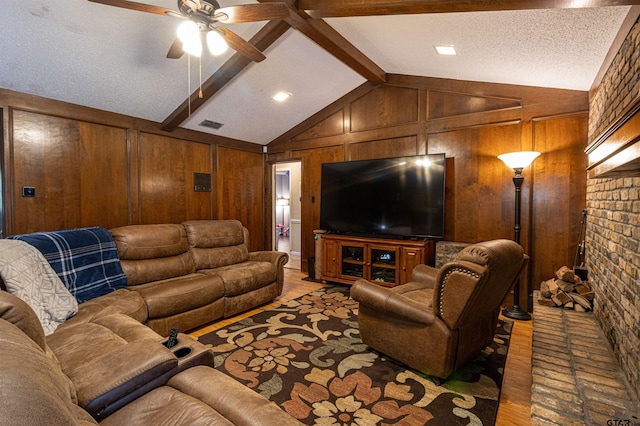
<point>566,290</point>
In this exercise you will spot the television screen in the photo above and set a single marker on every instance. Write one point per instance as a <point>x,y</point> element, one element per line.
<point>399,197</point>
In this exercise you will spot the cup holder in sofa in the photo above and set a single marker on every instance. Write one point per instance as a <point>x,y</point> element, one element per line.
<point>183,351</point>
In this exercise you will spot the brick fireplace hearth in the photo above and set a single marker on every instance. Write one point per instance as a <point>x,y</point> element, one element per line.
<point>576,377</point>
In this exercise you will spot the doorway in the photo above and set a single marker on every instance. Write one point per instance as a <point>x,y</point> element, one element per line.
<point>2,147</point>
<point>287,211</point>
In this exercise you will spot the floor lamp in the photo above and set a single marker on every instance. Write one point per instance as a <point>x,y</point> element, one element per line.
<point>517,161</point>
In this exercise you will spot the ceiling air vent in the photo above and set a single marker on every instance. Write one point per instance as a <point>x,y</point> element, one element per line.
<point>211,124</point>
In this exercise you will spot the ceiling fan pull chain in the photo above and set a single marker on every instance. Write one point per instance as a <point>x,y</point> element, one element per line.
<point>200,90</point>
<point>189,81</point>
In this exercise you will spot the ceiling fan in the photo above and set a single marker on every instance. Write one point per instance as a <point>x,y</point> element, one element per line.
<point>202,19</point>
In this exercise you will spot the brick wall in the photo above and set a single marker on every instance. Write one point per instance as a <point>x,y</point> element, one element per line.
<point>619,86</point>
<point>613,220</point>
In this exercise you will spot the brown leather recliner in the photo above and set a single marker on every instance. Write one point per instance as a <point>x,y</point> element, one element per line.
<point>443,317</point>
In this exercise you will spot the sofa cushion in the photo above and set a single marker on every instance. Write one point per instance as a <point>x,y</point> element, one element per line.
<point>111,361</point>
<point>180,294</point>
<point>85,259</point>
<point>78,345</point>
<point>216,243</point>
<point>153,252</point>
<point>137,242</point>
<point>244,277</point>
<point>239,404</point>
<point>214,233</point>
<point>121,301</point>
<point>33,390</point>
<point>149,270</point>
<point>17,312</point>
<point>209,258</point>
<point>166,406</point>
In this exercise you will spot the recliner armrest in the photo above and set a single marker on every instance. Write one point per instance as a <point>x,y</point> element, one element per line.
<point>117,374</point>
<point>234,401</point>
<point>127,328</point>
<point>385,300</point>
<point>274,257</point>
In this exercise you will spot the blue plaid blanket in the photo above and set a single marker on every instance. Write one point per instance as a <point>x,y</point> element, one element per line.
<point>85,259</point>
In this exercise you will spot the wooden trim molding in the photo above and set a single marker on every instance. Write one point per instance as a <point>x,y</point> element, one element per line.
<point>616,152</point>
<point>337,8</point>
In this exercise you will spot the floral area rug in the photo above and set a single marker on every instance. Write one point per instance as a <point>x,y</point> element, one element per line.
<point>306,355</point>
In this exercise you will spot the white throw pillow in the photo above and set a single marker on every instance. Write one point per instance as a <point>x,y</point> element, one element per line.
<point>27,274</point>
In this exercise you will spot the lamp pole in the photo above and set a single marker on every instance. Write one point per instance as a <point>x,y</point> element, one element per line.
<point>517,161</point>
<point>515,312</point>
<point>517,181</point>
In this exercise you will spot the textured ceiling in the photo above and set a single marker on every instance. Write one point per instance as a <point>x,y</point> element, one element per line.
<point>114,59</point>
<point>559,48</point>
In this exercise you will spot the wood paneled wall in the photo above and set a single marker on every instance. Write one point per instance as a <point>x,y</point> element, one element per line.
<point>91,167</point>
<point>472,123</point>
<point>241,191</point>
<point>95,168</point>
<point>166,188</point>
<point>78,170</point>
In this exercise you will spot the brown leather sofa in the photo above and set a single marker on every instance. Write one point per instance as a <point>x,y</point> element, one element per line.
<point>115,371</point>
<point>443,317</point>
<point>193,273</point>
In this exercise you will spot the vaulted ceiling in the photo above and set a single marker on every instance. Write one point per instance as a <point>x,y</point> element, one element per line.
<point>114,59</point>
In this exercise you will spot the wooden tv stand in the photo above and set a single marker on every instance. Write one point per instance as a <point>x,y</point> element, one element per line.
<point>386,262</point>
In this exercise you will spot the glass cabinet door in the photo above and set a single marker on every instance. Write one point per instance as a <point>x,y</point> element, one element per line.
<point>353,260</point>
<point>384,265</point>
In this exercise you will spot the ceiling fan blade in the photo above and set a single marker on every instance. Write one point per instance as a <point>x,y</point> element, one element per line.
<point>241,46</point>
<point>134,6</point>
<point>175,51</point>
<point>251,13</point>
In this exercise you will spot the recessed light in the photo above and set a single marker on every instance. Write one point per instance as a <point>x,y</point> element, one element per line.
<point>446,50</point>
<point>281,96</point>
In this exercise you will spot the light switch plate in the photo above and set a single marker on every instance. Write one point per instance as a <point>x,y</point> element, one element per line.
<point>28,191</point>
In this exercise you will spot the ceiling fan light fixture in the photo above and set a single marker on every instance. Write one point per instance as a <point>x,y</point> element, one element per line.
<point>216,43</point>
<point>188,31</point>
<point>189,34</point>
<point>193,47</point>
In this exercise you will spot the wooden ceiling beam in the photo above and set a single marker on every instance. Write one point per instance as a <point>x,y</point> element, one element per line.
<point>334,43</point>
<point>317,30</point>
<point>335,8</point>
<point>230,69</point>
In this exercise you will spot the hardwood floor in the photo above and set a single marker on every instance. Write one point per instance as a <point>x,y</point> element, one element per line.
<point>284,245</point>
<point>515,398</point>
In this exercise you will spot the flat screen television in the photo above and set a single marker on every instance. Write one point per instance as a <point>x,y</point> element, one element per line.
<point>400,197</point>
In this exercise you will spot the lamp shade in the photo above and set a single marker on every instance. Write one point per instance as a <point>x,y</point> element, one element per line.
<point>518,160</point>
